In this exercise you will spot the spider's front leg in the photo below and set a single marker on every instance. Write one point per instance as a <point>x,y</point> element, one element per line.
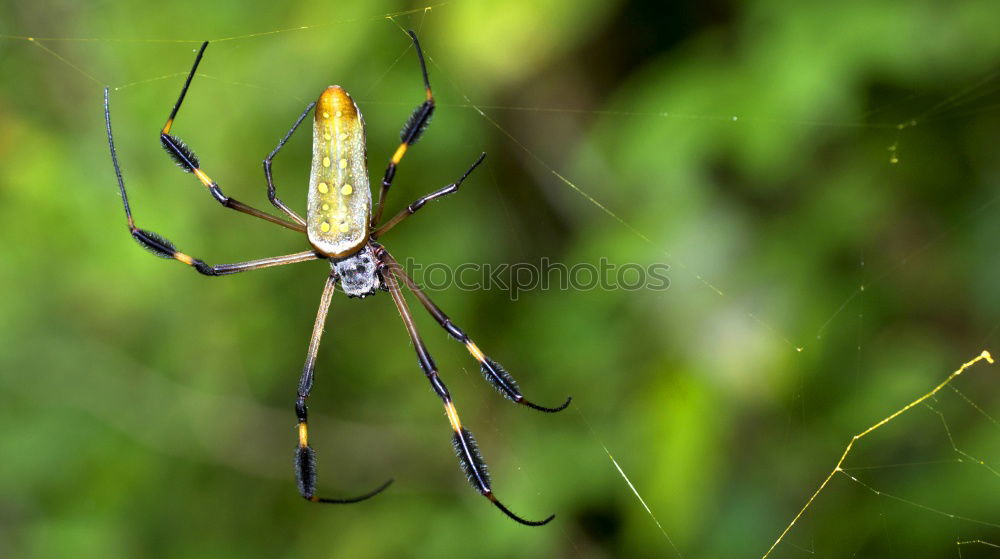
<point>465,445</point>
<point>492,371</point>
<point>305,456</point>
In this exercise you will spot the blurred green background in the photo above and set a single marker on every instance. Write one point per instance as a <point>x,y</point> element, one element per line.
<point>828,266</point>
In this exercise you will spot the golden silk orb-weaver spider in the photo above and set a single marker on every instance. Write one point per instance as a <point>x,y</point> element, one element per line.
<point>341,227</point>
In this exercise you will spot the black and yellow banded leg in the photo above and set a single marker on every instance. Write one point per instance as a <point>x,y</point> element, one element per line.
<point>469,457</point>
<point>160,246</point>
<point>188,161</point>
<point>419,203</point>
<point>492,371</point>
<point>164,248</point>
<point>411,132</point>
<point>305,457</point>
<point>272,193</point>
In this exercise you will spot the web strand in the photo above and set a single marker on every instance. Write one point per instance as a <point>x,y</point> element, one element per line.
<point>838,468</point>
<point>628,482</point>
<point>244,36</point>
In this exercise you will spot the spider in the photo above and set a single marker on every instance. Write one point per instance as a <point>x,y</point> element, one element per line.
<point>340,227</point>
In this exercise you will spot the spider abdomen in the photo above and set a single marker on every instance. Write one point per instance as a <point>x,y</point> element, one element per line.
<point>339,207</point>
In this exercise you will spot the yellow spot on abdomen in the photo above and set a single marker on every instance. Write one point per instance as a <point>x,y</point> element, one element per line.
<point>324,227</point>
<point>322,187</point>
<point>344,228</point>
<point>346,190</point>
<point>343,163</point>
<point>326,136</point>
<point>326,161</point>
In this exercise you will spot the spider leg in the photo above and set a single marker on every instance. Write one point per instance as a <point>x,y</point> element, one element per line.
<point>272,194</point>
<point>305,456</point>
<point>410,133</point>
<point>492,371</point>
<point>419,203</point>
<point>188,161</point>
<point>162,247</point>
<point>465,445</point>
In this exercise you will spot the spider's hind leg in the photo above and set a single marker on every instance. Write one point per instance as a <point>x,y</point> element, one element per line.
<point>411,132</point>
<point>272,192</point>
<point>419,202</point>
<point>186,159</point>
<point>160,246</point>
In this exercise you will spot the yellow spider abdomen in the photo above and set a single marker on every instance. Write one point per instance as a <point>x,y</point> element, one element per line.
<point>338,193</point>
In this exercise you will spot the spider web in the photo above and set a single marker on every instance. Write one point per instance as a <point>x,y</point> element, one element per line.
<point>930,410</point>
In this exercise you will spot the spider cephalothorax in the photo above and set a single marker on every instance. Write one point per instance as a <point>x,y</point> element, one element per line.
<point>360,274</point>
